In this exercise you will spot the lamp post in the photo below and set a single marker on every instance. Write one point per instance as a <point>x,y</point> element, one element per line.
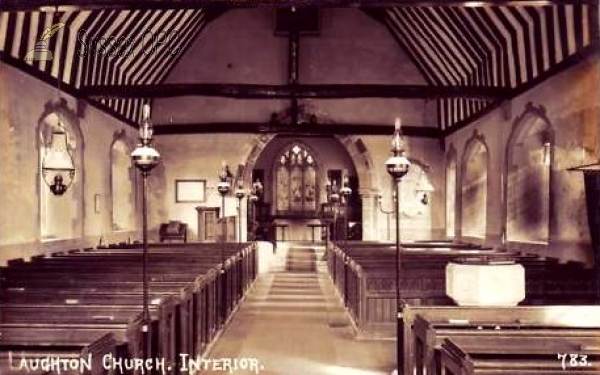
<point>255,196</point>
<point>397,166</point>
<point>333,197</point>
<point>145,158</point>
<point>345,192</point>
<point>239,194</point>
<point>223,188</point>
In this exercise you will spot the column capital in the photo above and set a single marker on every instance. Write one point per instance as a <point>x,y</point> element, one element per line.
<point>369,193</point>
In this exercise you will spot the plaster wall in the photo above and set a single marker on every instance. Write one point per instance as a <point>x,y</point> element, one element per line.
<point>428,224</point>
<point>22,102</point>
<point>201,157</point>
<point>571,103</point>
<point>351,48</point>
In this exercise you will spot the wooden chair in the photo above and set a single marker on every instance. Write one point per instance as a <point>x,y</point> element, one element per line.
<point>173,230</point>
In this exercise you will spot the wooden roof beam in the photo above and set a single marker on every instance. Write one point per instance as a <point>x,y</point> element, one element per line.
<point>303,129</point>
<point>43,5</point>
<point>253,91</point>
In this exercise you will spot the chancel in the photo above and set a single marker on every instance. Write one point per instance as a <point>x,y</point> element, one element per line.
<point>343,187</point>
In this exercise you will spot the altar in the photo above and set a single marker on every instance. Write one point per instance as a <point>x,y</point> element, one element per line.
<point>296,229</point>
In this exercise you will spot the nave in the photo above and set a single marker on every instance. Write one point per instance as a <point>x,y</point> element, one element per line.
<point>294,322</point>
<point>295,309</point>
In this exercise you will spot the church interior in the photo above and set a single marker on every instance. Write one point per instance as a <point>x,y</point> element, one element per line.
<point>291,187</point>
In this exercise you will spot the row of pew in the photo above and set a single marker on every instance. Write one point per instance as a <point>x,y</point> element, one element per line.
<point>365,275</point>
<point>524,340</point>
<point>89,302</point>
<point>557,330</point>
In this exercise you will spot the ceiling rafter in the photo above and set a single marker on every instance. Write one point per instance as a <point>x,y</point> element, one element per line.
<point>470,57</point>
<point>28,5</point>
<point>326,91</point>
<point>306,129</point>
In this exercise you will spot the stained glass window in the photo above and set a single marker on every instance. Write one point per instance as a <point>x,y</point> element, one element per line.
<point>296,181</point>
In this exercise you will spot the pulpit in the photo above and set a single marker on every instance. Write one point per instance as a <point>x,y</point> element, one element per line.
<point>259,220</point>
<point>226,229</point>
<point>207,224</point>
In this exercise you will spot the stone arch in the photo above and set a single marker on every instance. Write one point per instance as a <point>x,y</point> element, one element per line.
<point>354,145</point>
<point>363,165</point>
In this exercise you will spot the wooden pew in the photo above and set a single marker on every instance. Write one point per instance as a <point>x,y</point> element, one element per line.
<point>480,336</point>
<point>88,359</point>
<point>366,280</point>
<point>365,277</point>
<point>209,299</point>
<point>65,314</point>
<point>19,336</point>
<point>465,321</point>
<point>524,356</point>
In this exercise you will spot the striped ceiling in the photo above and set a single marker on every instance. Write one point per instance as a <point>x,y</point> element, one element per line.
<point>500,46</point>
<point>161,36</point>
<point>508,47</point>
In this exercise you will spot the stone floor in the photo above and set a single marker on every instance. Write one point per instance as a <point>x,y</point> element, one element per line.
<point>292,323</point>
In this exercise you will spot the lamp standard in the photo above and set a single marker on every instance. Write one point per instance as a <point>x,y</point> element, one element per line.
<point>145,158</point>
<point>397,166</point>
<point>255,196</point>
<point>333,197</point>
<point>345,192</point>
<point>223,188</point>
<point>239,194</point>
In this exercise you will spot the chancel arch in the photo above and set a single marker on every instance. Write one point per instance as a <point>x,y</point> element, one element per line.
<point>528,178</point>
<point>122,182</point>
<point>61,216</point>
<point>474,188</point>
<point>328,154</point>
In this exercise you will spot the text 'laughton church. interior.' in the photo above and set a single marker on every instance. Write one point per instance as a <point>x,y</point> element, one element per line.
<point>299,187</point>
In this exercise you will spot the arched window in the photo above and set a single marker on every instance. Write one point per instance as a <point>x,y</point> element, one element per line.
<point>527,183</point>
<point>451,193</point>
<point>122,187</point>
<point>296,181</point>
<point>61,216</point>
<point>474,188</point>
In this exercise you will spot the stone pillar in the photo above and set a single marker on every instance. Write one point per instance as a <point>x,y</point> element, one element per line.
<point>369,215</point>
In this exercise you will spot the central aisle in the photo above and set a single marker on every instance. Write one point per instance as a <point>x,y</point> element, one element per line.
<point>293,323</point>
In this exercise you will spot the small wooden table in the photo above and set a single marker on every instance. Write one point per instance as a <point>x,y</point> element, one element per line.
<point>282,226</point>
<point>312,226</point>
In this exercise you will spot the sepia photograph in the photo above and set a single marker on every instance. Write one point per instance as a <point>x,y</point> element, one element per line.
<point>299,187</point>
